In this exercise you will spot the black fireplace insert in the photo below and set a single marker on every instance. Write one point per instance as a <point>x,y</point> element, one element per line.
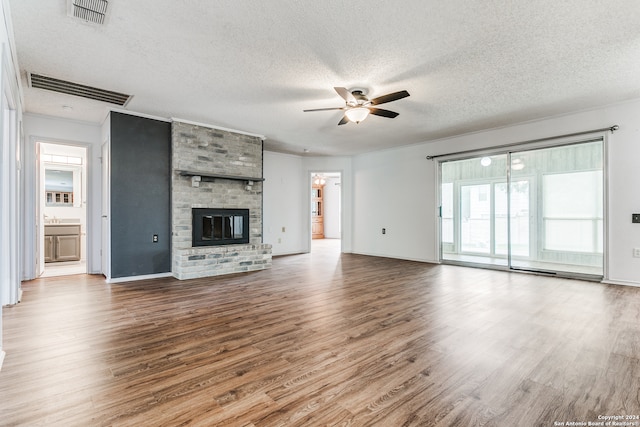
<point>220,226</point>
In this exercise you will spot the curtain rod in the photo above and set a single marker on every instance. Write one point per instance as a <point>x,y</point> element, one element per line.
<point>513,144</point>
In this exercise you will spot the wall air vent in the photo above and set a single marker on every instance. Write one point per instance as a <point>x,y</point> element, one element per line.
<point>93,11</point>
<point>39,81</point>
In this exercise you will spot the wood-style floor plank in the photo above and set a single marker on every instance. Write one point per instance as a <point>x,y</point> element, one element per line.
<point>322,339</point>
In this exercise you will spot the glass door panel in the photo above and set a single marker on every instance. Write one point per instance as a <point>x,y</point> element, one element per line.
<point>475,225</point>
<point>568,234</point>
<point>474,211</point>
<point>520,218</point>
<point>501,219</point>
<point>446,215</point>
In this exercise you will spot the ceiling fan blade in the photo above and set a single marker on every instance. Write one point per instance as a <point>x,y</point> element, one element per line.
<point>323,109</point>
<point>389,97</point>
<point>346,95</point>
<point>383,113</point>
<point>344,121</point>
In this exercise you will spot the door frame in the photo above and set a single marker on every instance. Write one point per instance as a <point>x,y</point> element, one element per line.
<point>37,263</point>
<point>11,183</point>
<point>309,199</point>
<point>105,210</point>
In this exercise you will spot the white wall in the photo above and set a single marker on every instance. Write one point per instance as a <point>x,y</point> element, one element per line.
<point>331,199</point>
<point>56,130</point>
<point>287,200</point>
<point>282,203</point>
<point>396,189</point>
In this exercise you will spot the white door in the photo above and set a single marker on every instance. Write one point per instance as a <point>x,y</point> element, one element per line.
<point>106,232</point>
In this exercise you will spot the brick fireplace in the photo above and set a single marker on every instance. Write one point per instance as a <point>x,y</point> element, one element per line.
<point>221,170</point>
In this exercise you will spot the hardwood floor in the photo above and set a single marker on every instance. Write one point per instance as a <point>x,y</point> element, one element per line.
<point>322,339</point>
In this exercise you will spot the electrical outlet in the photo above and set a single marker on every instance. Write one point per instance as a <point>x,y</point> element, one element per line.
<point>384,231</point>
<point>635,218</point>
<point>636,252</point>
<point>283,229</point>
<point>155,238</point>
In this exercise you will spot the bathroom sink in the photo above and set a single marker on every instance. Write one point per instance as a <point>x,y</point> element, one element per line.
<point>65,221</point>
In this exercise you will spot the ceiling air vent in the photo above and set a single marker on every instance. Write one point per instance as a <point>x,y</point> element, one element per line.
<point>39,81</point>
<point>93,11</point>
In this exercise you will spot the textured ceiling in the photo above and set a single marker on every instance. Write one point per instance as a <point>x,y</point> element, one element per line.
<point>255,65</point>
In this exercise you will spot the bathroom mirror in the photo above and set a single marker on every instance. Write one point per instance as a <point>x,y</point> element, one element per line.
<point>62,186</point>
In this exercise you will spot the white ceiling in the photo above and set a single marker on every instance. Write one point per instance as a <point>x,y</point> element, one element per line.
<point>255,65</point>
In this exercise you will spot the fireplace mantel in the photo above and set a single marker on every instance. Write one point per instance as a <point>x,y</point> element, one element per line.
<point>217,176</point>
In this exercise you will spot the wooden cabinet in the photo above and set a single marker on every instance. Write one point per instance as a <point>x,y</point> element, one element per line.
<point>61,243</point>
<point>317,212</point>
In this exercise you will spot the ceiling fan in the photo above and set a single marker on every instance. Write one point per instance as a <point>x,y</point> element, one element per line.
<point>358,106</point>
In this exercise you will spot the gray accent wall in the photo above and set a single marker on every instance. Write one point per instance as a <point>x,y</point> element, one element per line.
<point>140,196</point>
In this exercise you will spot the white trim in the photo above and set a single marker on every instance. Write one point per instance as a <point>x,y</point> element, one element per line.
<point>2,354</point>
<point>280,153</point>
<point>66,119</point>
<point>294,252</point>
<point>133,113</point>
<point>621,283</point>
<point>12,49</point>
<point>136,278</point>
<point>606,218</point>
<point>189,122</point>
<point>398,257</point>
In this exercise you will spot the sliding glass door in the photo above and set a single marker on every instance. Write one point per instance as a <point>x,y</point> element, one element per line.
<point>535,210</point>
<point>569,215</point>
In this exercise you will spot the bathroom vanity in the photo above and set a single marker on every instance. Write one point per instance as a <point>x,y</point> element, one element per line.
<point>61,242</point>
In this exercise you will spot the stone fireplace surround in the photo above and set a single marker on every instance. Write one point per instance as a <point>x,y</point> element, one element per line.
<point>209,167</point>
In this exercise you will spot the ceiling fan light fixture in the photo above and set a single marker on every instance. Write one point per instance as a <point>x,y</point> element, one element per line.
<point>357,114</point>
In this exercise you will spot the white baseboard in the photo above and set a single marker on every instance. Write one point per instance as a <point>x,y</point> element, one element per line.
<point>289,253</point>
<point>2,354</point>
<point>142,277</point>
<point>379,255</point>
<point>621,282</point>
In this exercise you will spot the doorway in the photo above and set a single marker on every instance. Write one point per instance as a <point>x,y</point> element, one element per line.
<point>326,210</point>
<point>538,210</point>
<point>62,209</point>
